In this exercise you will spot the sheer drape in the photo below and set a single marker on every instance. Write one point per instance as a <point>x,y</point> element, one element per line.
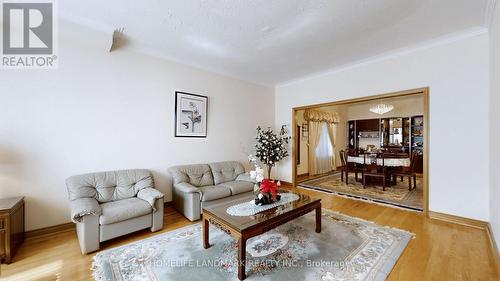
<point>314,138</point>
<point>324,151</point>
<point>322,140</point>
<point>332,132</point>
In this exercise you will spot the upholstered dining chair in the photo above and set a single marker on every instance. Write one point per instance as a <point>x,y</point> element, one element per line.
<point>375,171</point>
<point>408,172</point>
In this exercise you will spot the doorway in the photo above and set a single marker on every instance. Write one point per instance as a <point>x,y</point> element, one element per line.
<point>384,140</point>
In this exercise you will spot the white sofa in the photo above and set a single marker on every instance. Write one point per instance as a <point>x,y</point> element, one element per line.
<point>199,185</point>
<point>106,205</point>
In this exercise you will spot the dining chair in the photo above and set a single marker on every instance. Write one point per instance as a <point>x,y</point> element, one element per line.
<point>343,168</point>
<point>352,152</point>
<point>398,169</point>
<point>376,171</point>
<point>408,172</point>
<point>348,167</point>
<point>394,155</point>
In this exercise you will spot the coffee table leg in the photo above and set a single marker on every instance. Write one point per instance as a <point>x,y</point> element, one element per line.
<point>318,219</point>
<point>242,247</point>
<point>206,244</point>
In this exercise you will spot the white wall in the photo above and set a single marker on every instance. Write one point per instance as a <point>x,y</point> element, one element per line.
<point>458,76</point>
<point>495,123</point>
<point>104,111</point>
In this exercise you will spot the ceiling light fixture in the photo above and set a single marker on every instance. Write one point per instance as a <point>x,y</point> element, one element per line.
<point>381,108</point>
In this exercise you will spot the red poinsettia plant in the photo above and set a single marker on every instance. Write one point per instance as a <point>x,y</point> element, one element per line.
<point>269,187</point>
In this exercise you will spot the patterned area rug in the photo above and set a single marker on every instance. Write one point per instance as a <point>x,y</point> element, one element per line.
<point>346,249</point>
<point>397,195</point>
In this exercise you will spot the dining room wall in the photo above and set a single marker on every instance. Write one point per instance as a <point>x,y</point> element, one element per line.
<point>403,107</point>
<point>456,70</point>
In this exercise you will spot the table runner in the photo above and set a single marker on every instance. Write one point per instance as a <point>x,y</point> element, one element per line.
<point>390,162</point>
<point>249,208</point>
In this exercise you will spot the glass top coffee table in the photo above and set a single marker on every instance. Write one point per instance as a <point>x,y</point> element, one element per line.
<point>244,227</point>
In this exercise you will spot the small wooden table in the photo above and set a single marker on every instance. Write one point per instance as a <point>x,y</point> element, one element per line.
<point>244,227</point>
<point>11,227</point>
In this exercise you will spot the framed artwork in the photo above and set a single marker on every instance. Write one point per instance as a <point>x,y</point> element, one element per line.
<point>190,115</point>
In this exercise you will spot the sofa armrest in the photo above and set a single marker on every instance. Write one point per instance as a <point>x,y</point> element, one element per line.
<point>150,195</point>
<point>186,187</point>
<point>245,177</point>
<point>83,207</point>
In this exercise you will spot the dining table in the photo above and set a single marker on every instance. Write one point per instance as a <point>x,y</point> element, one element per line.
<point>387,161</point>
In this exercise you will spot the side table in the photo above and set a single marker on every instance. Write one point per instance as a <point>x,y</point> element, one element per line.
<point>11,227</point>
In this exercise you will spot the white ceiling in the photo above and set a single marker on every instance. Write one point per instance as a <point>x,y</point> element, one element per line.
<point>273,41</point>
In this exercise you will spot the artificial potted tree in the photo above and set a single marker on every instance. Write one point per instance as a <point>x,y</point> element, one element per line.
<point>270,148</point>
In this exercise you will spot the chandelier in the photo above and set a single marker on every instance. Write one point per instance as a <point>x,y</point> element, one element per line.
<point>381,108</point>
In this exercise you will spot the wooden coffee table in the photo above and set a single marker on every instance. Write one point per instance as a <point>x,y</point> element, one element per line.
<point>243,228</point>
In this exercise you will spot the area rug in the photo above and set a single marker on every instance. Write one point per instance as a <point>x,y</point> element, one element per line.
<point>346,249</point>
<point>397,195</point>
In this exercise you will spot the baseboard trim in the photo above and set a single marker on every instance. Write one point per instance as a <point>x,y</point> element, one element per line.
<point>286,183</point>
<point>64,227</point>
<point>458,220</point>
<point>493,245</point>
<point>50,230</point>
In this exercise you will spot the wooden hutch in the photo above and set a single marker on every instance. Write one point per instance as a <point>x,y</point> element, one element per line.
<point>402,134</point>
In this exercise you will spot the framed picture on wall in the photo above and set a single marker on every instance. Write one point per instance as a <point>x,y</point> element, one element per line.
<point>190,115</point>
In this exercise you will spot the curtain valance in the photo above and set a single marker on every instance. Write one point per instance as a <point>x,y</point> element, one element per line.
<point>321,116</point>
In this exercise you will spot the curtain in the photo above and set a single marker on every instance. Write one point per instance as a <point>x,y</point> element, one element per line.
<point>332,133</point>
<point>321,116</point>
<point>324,151</point>
<point>314,138</point>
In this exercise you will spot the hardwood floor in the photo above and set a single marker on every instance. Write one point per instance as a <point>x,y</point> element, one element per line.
<point>305,177</point>
<point>440,251</point>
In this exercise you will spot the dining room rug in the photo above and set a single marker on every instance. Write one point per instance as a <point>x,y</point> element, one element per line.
<point>396,195</point>
<point>346,249</point>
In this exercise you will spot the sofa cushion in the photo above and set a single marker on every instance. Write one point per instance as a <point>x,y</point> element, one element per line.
<point>122,210</point>
<point>209,193</point>
<point>246,177</point>
<point>196,175</point>
<point>109,186</point>
<point>238,187</point>
<point>226,171</point>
